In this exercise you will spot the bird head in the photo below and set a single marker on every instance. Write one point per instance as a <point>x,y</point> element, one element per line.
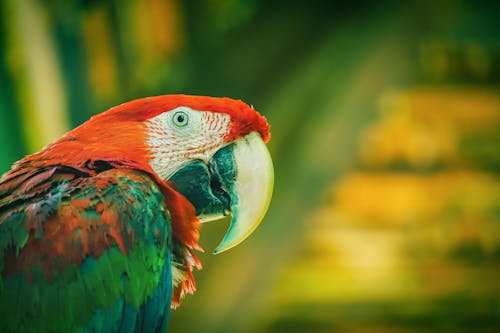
<point>210,150</point>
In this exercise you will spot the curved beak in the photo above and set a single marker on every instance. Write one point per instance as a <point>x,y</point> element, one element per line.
<point>249,186</point>
<point>238,181</point>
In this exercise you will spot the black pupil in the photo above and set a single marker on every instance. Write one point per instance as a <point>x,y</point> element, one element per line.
<point>180,118</point>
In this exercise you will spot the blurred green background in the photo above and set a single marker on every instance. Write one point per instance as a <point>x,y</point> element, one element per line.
<point>385,136</point>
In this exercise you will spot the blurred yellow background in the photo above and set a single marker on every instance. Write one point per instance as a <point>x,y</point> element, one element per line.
<point>385,137</point>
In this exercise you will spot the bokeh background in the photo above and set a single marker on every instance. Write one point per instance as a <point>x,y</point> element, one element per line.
<point>385,135</point>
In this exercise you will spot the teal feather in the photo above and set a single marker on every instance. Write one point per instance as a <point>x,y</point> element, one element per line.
<point>112,273</point>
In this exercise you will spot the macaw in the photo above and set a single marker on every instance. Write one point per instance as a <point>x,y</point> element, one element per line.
<point>98,230</point>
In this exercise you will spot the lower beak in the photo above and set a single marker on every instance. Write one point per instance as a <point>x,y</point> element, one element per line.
<point>237,181</point>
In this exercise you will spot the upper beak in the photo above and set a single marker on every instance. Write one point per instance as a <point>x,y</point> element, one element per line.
<point>238,180</point>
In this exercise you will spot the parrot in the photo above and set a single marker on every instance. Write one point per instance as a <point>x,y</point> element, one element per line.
<point>99,230</point>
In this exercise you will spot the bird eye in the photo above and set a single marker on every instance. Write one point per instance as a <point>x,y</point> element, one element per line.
<point>180,118</point>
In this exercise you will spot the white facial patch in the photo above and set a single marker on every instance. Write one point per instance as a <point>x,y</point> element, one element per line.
<point>182,135</point>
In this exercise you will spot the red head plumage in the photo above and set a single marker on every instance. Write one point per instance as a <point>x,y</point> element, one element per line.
<point>244,118</point>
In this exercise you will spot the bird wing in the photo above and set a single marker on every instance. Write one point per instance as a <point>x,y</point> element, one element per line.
<point>83,252</point>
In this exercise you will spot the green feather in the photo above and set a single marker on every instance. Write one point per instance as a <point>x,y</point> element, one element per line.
<point>91,294</point>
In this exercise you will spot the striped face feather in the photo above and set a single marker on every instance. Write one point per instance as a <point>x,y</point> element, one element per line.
<point>179,136</point>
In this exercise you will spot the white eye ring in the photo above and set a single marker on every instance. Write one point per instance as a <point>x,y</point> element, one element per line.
<point>180,119</point>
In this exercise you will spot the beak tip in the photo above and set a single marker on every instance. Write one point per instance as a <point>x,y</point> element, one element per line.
<point>219,249</point>
<point>227,243</point>
<point>224,247</point>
